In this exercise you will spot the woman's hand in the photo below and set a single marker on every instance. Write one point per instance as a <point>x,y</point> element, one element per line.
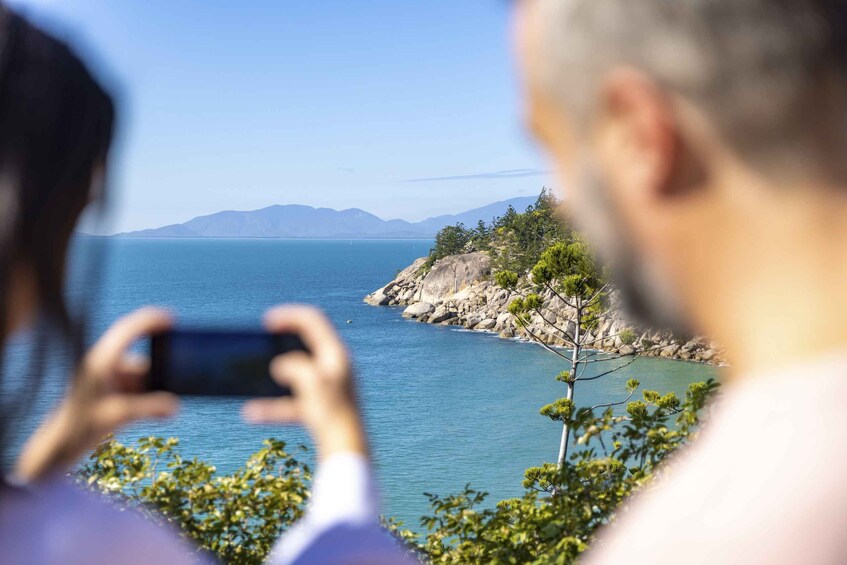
<point>324,399</point>
<point>106,393</point>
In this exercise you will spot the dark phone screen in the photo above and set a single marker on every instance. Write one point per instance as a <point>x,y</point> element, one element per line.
<point>218,363</point>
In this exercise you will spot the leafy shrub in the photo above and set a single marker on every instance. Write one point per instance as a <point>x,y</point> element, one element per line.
<point>628,336</point>
<point>562,509</point>
<point>507,279</point>
<point>238,516</point>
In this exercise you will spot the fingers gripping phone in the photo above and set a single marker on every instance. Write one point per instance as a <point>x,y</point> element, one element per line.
<point>218,363</point>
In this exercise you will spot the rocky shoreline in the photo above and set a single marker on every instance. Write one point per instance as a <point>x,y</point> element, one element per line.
<point>459,291</point>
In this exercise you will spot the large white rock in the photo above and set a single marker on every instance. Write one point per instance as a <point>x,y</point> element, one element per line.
<point>406,296</point>
<point>462,295</point>
<point>441,314</point>
<point>473,321</point>
<point>411,272</point>
<point>487,324</point>
<point>454,273</point>
<point>418,309</point>
<point>378,298</point>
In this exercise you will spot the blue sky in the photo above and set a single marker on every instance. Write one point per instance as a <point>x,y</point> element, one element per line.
<point>405,109</point>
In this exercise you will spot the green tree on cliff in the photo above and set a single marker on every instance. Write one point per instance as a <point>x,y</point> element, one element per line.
<point>518,239</point>
<point>450,240</point>
<point>480,237</point>
<point>569,274</point>
<point>514,240</point>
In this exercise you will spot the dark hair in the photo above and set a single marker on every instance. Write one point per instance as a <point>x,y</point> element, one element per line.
<point>56,126</point>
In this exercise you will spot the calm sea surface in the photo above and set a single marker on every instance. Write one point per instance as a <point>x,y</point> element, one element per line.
<point>444,407</point>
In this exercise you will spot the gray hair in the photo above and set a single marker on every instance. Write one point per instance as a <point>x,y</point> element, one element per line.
<point>761,70</point>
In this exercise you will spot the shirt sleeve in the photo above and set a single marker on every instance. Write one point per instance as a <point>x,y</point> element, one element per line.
<point>341,524</point>
<point>54,522</point>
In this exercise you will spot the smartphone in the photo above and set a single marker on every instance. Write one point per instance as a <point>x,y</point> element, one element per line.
<point>218,363</point>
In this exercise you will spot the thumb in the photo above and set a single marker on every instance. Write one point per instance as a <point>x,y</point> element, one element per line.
<point>295,370</point>
<point>109,350</point>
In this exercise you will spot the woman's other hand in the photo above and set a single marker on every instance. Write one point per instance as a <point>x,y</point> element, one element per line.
<point>107,393</point>
<point>324,398</point>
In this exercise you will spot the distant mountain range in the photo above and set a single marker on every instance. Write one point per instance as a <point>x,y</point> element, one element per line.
<point>295,221</point>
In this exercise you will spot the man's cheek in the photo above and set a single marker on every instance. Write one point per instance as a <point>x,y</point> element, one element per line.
<point>565,208</point>
<point>568,191</point>
<point>576,210</point>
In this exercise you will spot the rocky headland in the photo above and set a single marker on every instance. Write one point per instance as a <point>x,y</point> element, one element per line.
<point>459,290</point>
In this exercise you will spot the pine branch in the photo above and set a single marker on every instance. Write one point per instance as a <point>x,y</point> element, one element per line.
<point>544,345</point>
<point>610,371</point>
<point>559,296</point>
<point>568,338</point>
<point>611,404</point>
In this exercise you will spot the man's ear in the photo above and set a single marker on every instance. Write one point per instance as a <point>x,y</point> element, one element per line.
<point>637,135</point>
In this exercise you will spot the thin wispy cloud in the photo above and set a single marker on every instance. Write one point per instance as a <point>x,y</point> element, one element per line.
<point>506,174</point>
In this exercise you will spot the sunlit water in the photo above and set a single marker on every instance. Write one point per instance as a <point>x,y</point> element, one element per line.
<point>443,407</point>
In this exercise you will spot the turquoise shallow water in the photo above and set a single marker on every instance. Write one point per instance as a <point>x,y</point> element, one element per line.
<point>444,407</point>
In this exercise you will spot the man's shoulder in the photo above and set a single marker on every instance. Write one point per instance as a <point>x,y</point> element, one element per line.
<point>762,483</point>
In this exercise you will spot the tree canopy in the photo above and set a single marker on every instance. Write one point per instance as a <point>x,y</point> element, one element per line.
<point>515,240</point>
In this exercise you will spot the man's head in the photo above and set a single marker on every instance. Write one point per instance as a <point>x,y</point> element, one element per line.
<point>656,111</point>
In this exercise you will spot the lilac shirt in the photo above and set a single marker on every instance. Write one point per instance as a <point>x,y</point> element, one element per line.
<point>58,523</point>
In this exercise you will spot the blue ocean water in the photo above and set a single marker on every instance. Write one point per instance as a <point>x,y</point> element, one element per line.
<point>444,407</point>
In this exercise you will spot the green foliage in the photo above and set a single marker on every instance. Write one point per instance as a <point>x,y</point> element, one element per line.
<point>558,516</point>
<point>450,240</point>
<point>522,307</point>
<point>518,239</point>
<point>571,269</point>
<point>565,376</point>
<point>515,240</point>
<point>238,517</point>
<point>480,237</point>
<point>568,270</point>
<point>507,279</point>
<point>518,309</point>
<point>559,410</point>
<point>628,336</point>
<point>533,302</point>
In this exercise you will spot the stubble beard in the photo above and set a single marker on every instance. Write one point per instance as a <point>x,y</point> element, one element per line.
<point>646,296</point>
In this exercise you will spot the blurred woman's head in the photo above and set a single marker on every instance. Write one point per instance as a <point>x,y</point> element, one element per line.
<point>56,126</point>
<point>55,131</point>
